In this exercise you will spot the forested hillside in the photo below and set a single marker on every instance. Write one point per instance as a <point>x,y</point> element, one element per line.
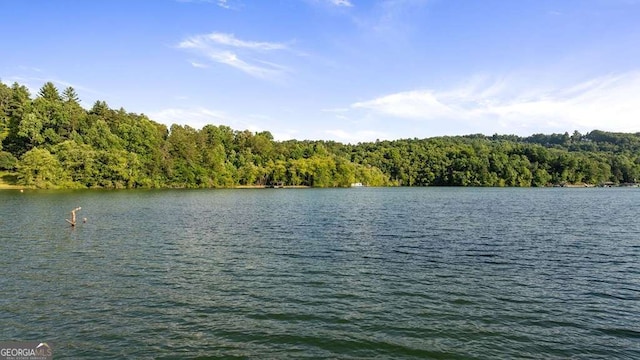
<point>50,141</point>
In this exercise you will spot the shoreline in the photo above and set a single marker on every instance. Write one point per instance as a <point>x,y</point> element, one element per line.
<point>5,186</point>
<point>268,187</point>
<point>7,182</point>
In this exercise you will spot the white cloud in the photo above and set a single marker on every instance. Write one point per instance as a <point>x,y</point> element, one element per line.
<point>607,103</point>
<point>194,117</point>
<point>355,136</point>
<point>331,3</point>
<point>198,65</point>
<point>345,3</point>
<point>231,40</point>
<point>391,19</point>
<point>417,104</point>
<point>229,4</point>
<point>335,110</point>
<point>227,49</point>
<point>225,4</point>
<point>284,134</point>
<point>30,68</point>
<point>35,83</point>
<point>232,59</point>
<point>198,117</point>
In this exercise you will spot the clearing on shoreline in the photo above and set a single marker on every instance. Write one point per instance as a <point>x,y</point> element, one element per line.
<point>9,180</point>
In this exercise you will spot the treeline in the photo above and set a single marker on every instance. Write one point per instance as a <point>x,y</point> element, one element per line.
<point>480,160</point>
<point>50,141</point>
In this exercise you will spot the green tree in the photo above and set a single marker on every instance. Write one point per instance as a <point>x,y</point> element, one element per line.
<point>69,95</point>
<point>49,92</point>
<point>38,168</point>
<point>31,130</point>
<point>5,100</point>
<point>19,105</point>
<point>73,113</point>
<point>7,161</point>
<point>79,161</point>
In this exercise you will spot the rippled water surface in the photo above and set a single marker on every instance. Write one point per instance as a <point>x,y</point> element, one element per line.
<point>390,273</point>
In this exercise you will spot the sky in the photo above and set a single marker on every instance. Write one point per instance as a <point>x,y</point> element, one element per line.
<point>345,70</point>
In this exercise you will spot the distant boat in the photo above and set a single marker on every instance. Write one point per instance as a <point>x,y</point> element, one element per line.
<point>358,184</point>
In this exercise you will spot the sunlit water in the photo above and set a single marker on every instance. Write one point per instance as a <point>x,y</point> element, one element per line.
<point>391,273</point>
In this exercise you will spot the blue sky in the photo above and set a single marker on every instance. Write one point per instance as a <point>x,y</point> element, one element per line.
<point>345,70</point>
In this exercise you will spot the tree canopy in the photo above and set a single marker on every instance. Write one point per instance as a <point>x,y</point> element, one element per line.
<point>51,141</point>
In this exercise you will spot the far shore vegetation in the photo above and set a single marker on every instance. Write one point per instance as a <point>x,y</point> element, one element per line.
<point>50,141</point>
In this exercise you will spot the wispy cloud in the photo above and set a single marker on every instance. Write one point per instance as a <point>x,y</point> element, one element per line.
<point>198,117</point>
<point>417,104</point>
<point>391,18</point>
<point>345,3</point>
<point>232,41</point>
<point>607,103</point>
<point>331,3</point>
<point>194,117</point>
<point>34,83</point>
<point>225,4</point>
<point>243,55</point>
<point>335,110</point>
<point>355,137</point>
<point>30,68</point>
<point>198,64</point>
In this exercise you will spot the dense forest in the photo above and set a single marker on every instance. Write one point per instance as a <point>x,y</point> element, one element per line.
<point>51,141</point>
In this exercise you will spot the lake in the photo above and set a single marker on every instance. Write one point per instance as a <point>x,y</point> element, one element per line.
<point>382,273</point>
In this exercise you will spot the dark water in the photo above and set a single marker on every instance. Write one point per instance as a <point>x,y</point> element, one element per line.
<point>442,273</point>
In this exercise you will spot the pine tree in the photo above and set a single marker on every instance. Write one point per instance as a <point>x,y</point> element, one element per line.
<point>49,92</point>
<point>69,95</point>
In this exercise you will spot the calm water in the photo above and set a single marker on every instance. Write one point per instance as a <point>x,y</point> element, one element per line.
<point>442,273</point>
